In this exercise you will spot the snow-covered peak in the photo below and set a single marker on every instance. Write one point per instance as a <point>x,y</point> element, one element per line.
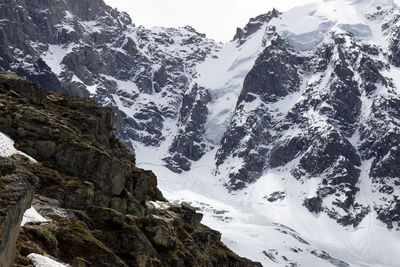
<point>307,26</point>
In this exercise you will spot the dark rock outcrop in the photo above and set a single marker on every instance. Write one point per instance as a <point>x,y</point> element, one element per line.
<point>76,136</point>
<point>394,47</point>
<point>274,75</point>
<point>189,143</point>
<point>104,211</point>
<point>254,25</point>
<point>16,194</point>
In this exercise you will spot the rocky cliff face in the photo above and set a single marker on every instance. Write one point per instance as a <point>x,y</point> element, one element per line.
<point>314,113</point>
<point>86,48</point>
<point>86,149</point>
<point>103,210</point>
<point>16,191</point>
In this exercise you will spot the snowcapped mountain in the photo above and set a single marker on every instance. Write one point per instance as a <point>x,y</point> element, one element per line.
<point>287,137</point>
<point>86,48</point>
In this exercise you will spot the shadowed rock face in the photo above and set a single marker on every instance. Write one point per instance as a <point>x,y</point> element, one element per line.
<point>189,143</point>
<point>104,211</point>
<point>394,46</point>
<point>274,75</point>
<point>254,25</point>
<point>76,135</point>
<point>16,194</point>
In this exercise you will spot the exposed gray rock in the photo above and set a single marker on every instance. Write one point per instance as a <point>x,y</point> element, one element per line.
<point>101,48</point>
<point>50,208</point>
<point>189,143</point>
<point>274,75</point>
<point>254,25</point>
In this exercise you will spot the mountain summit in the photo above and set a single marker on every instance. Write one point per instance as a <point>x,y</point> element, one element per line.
<point>308,26</point>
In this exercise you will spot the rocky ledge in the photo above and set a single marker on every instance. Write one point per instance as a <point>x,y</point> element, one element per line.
<point>102,209</point>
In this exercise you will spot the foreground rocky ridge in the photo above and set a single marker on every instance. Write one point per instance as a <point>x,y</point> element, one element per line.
<point>103,211</point>
<point>16,194</point>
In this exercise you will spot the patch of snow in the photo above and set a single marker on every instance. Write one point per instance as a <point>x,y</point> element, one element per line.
<point>359,29</point>
<point>307,26</point>
<point>32,216</point>
<point>43,261</point>
<point>91,88</point>
<point>7,148</point>
<point>92,26</point>
<point>55,55</point>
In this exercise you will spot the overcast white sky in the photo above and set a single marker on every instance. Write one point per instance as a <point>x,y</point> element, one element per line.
<point>216,18</point>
